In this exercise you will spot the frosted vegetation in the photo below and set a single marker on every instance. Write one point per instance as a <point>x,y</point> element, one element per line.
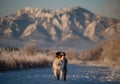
<point>105,53</point>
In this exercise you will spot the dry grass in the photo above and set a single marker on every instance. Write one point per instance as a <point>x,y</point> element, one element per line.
<point>106,53</point>
<point>12,60</point>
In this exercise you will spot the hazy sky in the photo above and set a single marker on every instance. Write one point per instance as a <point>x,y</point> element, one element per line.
<point>100,7</point>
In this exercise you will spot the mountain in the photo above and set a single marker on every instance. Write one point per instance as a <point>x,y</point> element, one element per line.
<point>57,27</point>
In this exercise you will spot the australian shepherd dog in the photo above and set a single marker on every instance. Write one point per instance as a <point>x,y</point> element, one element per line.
<point>60,66</point>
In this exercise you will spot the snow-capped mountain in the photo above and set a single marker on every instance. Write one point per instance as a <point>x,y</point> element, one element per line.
<point>59,25</point>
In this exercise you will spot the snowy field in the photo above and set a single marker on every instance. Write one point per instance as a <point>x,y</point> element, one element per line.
<point>77,74</point>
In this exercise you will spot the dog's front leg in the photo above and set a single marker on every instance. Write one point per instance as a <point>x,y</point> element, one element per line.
<point>61,74</point>
<point>55,73</point>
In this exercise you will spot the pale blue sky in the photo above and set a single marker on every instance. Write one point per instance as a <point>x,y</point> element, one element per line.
<point>96,6</point>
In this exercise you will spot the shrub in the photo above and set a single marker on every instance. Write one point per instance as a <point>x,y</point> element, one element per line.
<point>30,48</point>
<point>111,51</point>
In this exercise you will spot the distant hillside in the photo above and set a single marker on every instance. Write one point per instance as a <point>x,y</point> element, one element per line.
<point>57,27</point>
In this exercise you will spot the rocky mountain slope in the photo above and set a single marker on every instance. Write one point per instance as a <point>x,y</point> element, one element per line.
<point>63,25</point>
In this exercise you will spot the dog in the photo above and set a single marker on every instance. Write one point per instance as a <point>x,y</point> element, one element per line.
<point>60,66</point>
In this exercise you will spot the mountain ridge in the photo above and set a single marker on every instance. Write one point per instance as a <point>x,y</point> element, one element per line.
<point>57,25</point>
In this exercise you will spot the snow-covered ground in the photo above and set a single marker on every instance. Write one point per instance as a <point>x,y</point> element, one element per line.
<point>77,74</point>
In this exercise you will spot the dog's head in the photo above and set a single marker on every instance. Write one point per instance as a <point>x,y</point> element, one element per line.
<point>60,55</point>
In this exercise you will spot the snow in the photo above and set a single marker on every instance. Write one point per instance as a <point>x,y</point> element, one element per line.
<point>77,74</point>
<point>28,31</point>
<point>90,30</point>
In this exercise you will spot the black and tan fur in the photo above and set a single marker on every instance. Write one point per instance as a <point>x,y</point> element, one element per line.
<point>60,66</point>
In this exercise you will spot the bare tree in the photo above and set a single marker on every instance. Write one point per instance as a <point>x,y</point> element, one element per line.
<point>117,11</point>
<point>116,6</point>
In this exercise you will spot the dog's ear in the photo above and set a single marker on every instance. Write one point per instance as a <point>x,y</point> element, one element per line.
<point>58,53</point>
<point>63,54</point>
